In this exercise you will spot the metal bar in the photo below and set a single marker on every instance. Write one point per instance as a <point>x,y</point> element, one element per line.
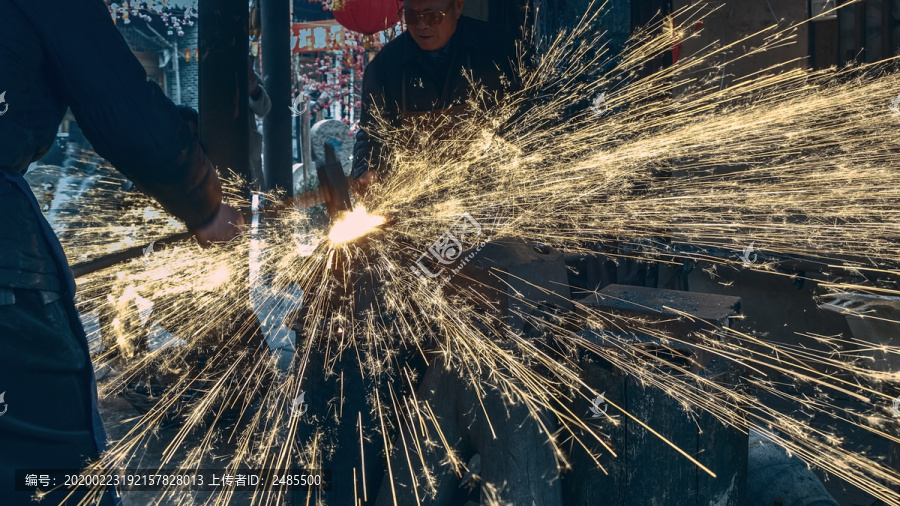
<point>106,261</point>
<point>306,142</point>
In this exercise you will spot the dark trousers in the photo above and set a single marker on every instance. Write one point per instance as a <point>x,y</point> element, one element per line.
<point>45,372</point>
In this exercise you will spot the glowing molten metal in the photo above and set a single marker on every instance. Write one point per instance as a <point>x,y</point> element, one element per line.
<point>354,225</point>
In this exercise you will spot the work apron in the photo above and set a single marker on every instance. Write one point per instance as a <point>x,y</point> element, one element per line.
<point>71,313</point>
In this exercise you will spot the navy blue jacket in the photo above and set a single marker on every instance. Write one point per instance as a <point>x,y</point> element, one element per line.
<point>475,46</point>
<point>68,53</point>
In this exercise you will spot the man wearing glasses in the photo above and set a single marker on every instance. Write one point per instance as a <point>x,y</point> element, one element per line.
<point>418,77</point>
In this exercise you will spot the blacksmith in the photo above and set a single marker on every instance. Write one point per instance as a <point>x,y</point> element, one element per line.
<point>420,74</point>
<point>54,55</point>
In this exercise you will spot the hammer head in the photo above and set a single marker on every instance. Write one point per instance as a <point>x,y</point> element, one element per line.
<point>333,183</point>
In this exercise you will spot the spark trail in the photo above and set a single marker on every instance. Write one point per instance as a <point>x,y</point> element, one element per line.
<point>801,164</point>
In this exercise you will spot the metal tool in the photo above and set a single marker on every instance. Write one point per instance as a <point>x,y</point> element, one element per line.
<point>333,183</point>
<point>105,261</point>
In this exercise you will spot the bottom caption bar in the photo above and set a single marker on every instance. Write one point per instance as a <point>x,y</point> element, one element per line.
<point>243,480</point>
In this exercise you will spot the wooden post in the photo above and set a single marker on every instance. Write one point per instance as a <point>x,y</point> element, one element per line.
<point>276,31</point>
<point>223,111</point>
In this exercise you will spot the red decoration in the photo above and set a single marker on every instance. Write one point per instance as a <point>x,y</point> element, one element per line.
<point>366,16</point>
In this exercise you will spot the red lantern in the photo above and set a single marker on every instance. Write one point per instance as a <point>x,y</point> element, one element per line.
<point>366,16</point>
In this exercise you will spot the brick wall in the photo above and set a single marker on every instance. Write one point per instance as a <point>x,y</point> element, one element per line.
<point>141,40</point>
<point>147,43</point>
<point>189,70</point>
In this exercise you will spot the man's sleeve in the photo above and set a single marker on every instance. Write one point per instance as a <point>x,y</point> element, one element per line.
<point>128,120</point>
<point>367,151</point>
<point>260,105</point>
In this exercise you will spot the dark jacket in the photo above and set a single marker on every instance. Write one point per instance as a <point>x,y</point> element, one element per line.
<point>431,83</point>
<point>59,53</point>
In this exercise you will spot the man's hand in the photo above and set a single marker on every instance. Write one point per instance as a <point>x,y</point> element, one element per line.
<point>362,183</point>
<point>223,227</point>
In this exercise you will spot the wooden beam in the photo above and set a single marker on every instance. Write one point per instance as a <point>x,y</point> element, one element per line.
<point>223,84</point>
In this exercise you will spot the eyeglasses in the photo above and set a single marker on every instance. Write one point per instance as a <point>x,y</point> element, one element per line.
<point>431,18</point>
